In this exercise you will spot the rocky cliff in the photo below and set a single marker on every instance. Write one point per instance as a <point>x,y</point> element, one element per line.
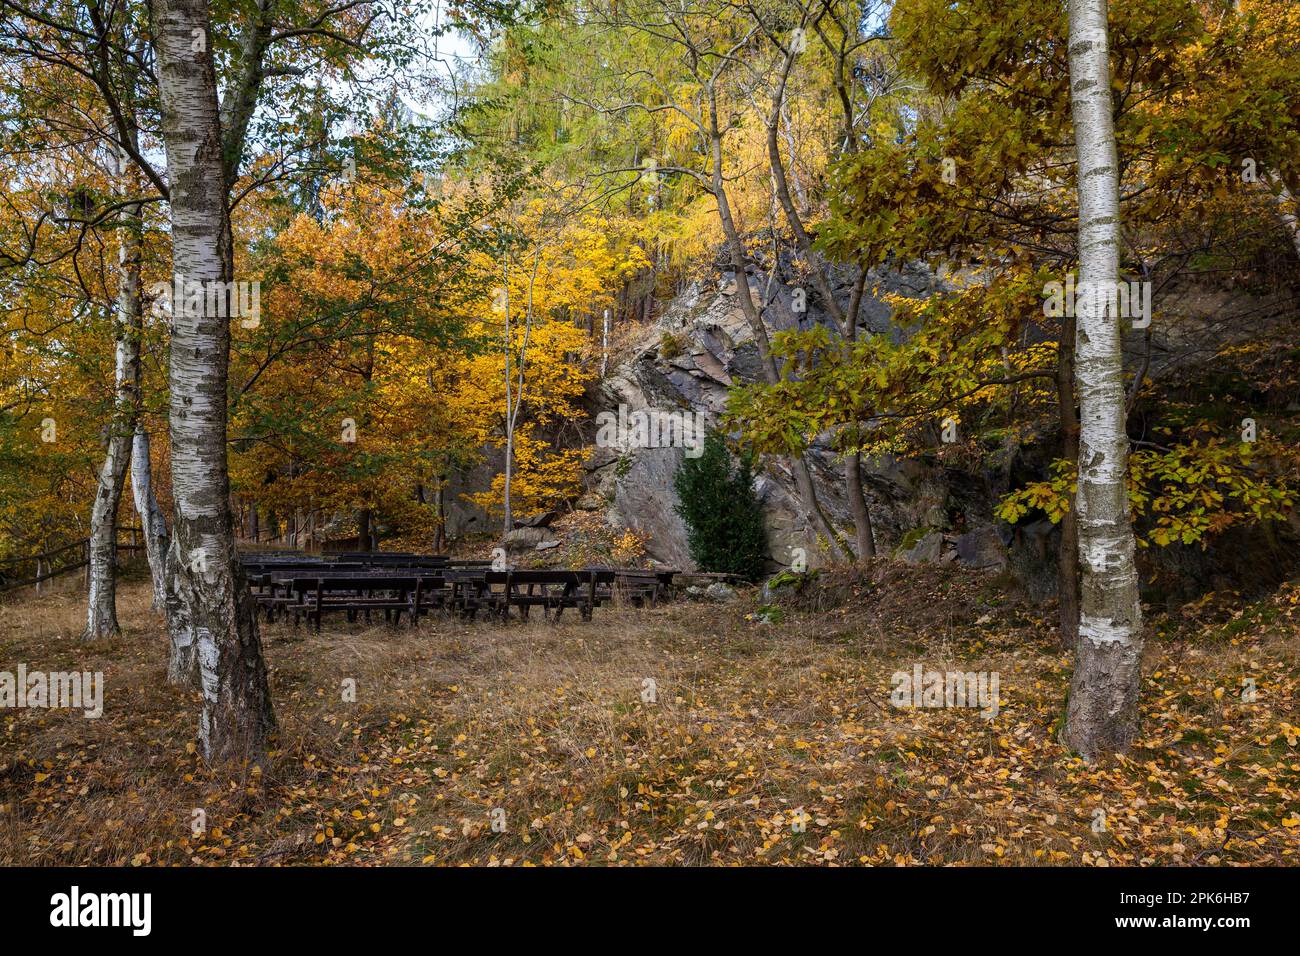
<point>700,346</point>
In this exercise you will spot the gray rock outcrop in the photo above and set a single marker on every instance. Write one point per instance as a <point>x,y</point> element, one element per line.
<point>686,363</point>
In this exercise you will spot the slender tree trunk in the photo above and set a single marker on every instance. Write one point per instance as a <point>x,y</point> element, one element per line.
<point>866,539</point>
<point>211,615</point>
<point>846,322</point>
<point>152,522</point>
<point>798,464</point>
<point>1067,568</point>
<point>101,569</point>
<point>1287,209</point>
<point>1103,710</point>
<point>508,517</point>
<point>440,522</point>
<point>101,597</point>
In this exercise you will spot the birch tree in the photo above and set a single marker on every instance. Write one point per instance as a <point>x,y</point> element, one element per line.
<point>122,58</point>
<point>211,613</point>
<point>1103,708</point>
<point>101,598</point>
<point>153,524</point>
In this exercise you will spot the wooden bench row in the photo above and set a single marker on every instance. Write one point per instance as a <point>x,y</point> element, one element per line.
<point>311,593</point>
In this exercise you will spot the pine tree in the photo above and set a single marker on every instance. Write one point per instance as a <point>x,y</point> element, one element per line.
<point>724,521</point>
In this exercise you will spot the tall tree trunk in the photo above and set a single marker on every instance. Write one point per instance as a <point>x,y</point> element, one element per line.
<point>845,321</point>
<point>101,574</point>
<point>1103,710</point>
<point>152,522</point>
<point>440,521</point>
<point>1067,568</point>
<point>866,539</point>
<point>736,246</point>
<point>211,615</point>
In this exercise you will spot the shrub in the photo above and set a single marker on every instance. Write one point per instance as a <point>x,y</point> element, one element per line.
<point>669,346</point>
<point>724,522</point>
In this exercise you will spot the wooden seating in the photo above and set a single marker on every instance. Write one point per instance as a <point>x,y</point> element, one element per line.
<point>635,586</point>
<point>313,597</point>
<point>380,559</point>
<point>549,590</point>
<point>356,583</point>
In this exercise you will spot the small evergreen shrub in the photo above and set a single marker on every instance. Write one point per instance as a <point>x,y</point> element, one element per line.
<point>724,522</point>
<point>669,346</point>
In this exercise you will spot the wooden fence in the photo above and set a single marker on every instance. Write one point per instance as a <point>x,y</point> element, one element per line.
<point>37,568</point>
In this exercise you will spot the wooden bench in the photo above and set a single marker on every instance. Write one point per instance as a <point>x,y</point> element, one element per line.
<point>313,597</point>
<point>635,586</point>
<point>378,559</point>
<point>266,580</point>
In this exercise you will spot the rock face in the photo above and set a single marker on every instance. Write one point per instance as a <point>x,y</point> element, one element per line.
<point>464,517</point>
<point>686,363</point>
<point>1033,558</point>
<point>529,539</point>
<point>643,499</point>
<point>982,548</point>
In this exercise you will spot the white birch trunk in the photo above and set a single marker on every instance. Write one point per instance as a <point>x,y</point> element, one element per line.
<point>101,554</point>
<point>211,616</point>
<point>1286,210</point>
<point>152,522</point>
<point>1103,709</point>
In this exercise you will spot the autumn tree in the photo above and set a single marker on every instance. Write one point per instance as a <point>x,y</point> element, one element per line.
<point>556,256</point>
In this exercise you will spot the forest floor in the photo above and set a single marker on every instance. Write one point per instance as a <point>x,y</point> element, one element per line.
<point>771,739</point>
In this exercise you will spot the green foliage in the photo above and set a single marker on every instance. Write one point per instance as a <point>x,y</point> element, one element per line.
<point>724,522</point>
<point>962,358</point>
<point>1181,495</point>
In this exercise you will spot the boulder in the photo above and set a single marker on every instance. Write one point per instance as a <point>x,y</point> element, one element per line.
<point>925,549</point>
<point>717,591</point>
<point>541,520</point>
<point>1032,558</point>
<point>783,586</point>
<point>526,539</point>
<point>981,548</point>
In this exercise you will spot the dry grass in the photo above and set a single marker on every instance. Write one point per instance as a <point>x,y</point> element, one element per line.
<point>767,743</point>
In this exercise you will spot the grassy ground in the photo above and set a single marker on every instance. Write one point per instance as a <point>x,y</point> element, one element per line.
<point>768,742</point>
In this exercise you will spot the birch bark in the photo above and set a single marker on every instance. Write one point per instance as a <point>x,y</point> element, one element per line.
<point>211,616</point>
<point>152,522</point>
<point>1103,708</point>
<point>101,597</point>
